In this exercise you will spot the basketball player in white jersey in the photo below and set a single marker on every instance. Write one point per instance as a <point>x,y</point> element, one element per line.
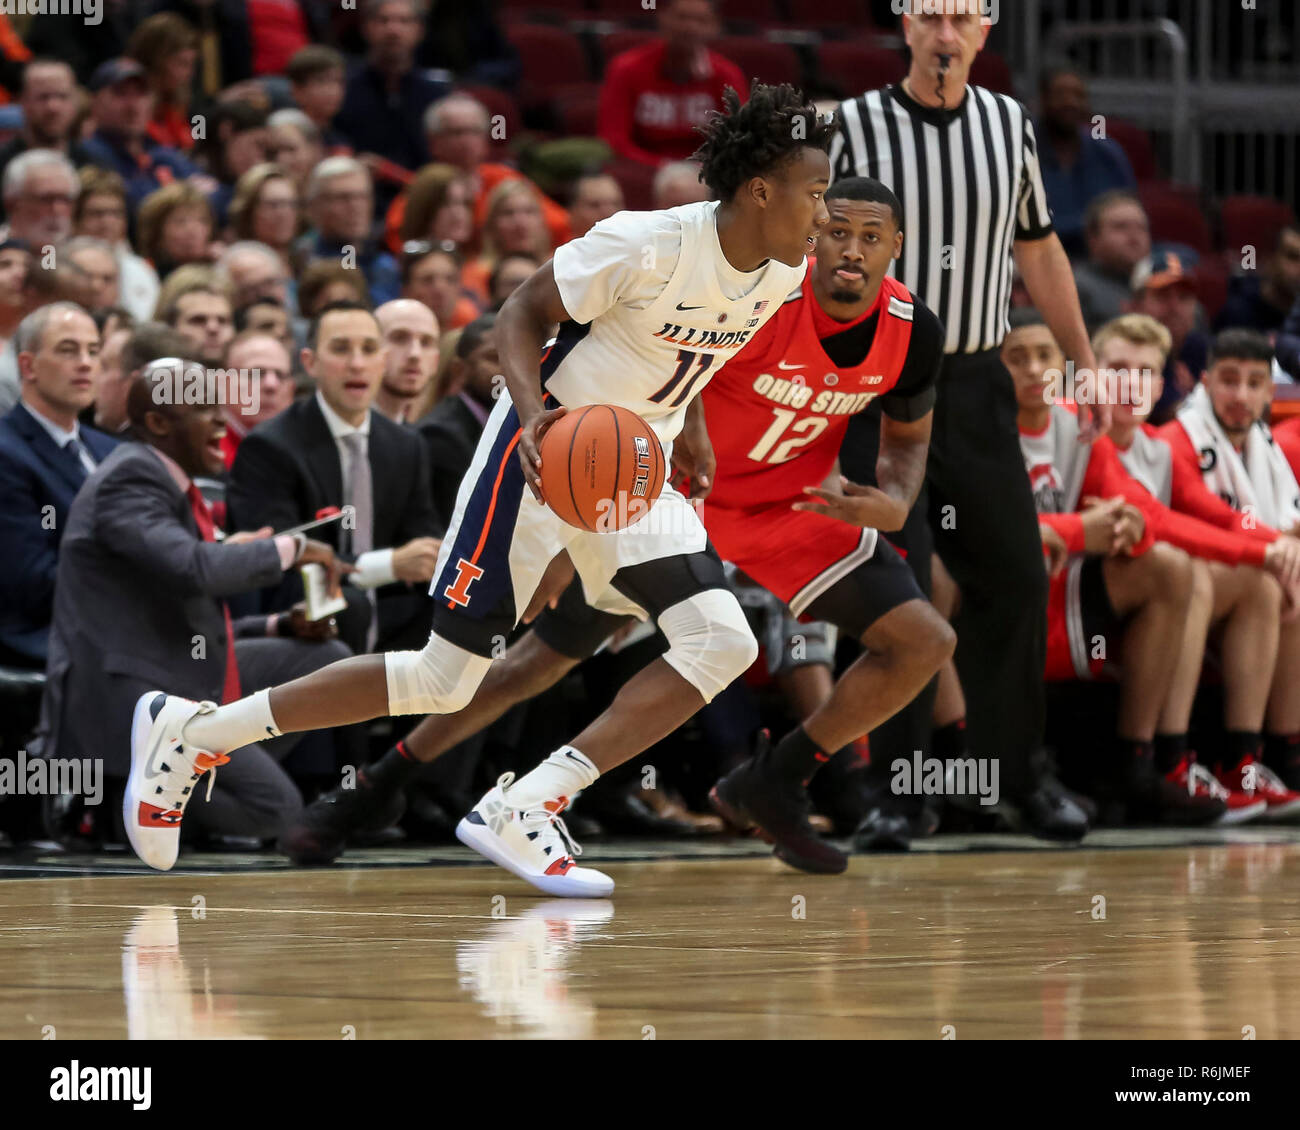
<point>650,306</point>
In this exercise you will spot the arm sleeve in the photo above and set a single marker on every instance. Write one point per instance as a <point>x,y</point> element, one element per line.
<point>597,271</point>
<point>1107,478</point>
<point>914,393</point>
<point>1034,218</point>
<point>1200,539</point>
<point>1189,495</point>
<point>1069,526</point>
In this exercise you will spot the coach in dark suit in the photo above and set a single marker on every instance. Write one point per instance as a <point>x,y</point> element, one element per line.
<point>45,457</point>
<point>139,604</point>
<point>334,449</point>
<point>451,430</point>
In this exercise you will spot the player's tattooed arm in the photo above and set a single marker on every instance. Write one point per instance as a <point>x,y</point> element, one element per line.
<point>693,451</point>
<point>522,328</point>
<point>900,469</point>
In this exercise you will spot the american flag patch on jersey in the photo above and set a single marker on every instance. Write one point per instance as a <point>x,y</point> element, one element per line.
<point>759,307</point>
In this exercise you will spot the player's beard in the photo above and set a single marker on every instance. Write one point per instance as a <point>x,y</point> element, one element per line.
<point>845,297</point>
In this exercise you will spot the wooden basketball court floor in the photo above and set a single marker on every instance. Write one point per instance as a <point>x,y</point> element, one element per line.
<point>1145,935</point>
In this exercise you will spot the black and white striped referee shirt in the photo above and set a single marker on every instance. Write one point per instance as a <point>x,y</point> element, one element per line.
<point>970,185</point>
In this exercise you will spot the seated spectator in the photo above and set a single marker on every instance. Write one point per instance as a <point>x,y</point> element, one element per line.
<point>465,39</point>
<point>254,271</point>
<point>141,579</point>
<point>1164,290</point>
<point>438,207</point>
<point>120,142</point>
<point>1239,570</point>
<point>146,342</point>
<point>513,226</point>
<point>95,259</point>
<point>317,83</point>
<point>458,130</point>
<point>386,96</point>
<point>654,96</point>
<point>45,457</point>
<point>108,413</point>
<point>340,207</point>
<point>1118,593</point>
<point>1261,300</point>
<point>175,226</point>
<point>678,183</point>
<point>451,430</point>
<point>237,140</point>
<point>1119,238</point>
<point>510,273</point>
<point>334,449</point>
<point>326,282</point>
<point>256,353</point>
<point>15,303</point>
<point>1220,432</point>
<point>40,188</point>
<point>243,38</point>
<point>294,145</point>
<point>100,212</point>
<point>49,104</point>
<point>1076,166</point>
<point>198,306</point>
<point>432,275</point>
<point>596,197</point>
<point>264,209</point>
<point>167,47</point>
<point>268,316</point>
<point>411,336</point>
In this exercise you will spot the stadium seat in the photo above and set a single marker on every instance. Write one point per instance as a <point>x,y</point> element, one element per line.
<point>637,182</point>
<point>993,72</point>
<point>750,13</point>
<point>515,11</point>
<point>758,58</point>
<point>1175,218</point>
<point>848,15</point>
<point>577,111</point>
<point>855,67</point>
<point>551,57</point>
<point>1136,143</point>
<point>1253,221</point>
<point>616,42</point>
<point>1210,277</point>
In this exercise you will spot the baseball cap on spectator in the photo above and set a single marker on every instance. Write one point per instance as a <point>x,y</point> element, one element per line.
<point>1159,271</point>
<point>14,245</point>
<point>114,71</point>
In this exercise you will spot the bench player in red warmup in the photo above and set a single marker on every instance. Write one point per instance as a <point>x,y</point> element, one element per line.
<point>775,505</point>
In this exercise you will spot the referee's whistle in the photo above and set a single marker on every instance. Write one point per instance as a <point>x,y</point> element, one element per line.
<point>945,61</point>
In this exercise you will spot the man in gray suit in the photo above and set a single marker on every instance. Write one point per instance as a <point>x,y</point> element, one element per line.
<point>139,603</point>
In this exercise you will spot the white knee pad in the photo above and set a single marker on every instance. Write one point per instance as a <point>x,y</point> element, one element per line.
<point>441,679</point>
<point>710,643</point>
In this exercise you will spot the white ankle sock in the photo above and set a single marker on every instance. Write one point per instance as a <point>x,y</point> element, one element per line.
<point>236,724</point>
<point>563,774</point>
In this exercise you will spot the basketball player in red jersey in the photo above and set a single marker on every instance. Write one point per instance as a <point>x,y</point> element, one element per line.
<point>775,505</point>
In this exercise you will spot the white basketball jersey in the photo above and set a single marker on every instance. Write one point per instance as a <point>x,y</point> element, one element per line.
<point>656,311</point>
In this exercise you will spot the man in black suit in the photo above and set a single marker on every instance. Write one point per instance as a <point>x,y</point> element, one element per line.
<point>45,456</point>
<point>141,602</point>
<point>334,449</point>
<point>452,428</point>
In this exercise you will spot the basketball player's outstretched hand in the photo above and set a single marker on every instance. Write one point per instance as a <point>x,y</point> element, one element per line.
<point>530,443</point>
<point>856,504</point>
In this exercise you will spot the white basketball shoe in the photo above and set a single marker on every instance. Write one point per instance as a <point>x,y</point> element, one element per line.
<point>533,844</point>
<point>164,771</point>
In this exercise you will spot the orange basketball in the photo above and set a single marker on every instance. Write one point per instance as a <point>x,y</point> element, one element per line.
<point>602,468</point>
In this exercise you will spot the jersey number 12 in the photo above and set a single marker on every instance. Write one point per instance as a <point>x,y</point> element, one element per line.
<point>802,432</point>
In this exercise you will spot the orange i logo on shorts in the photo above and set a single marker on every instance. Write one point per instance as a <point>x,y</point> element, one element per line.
<point>467,573</point>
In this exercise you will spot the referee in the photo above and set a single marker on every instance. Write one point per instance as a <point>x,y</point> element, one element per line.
<point>964,163</point>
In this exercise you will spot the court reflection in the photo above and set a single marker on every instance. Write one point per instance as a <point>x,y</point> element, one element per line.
<point>518,968</point>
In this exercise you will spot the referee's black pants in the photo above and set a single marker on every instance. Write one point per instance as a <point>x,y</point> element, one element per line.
<point>977,512</point>
<point>985,530</point>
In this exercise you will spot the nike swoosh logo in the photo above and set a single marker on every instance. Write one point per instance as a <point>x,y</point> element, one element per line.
<point>149,761</point>
<point>681,307</point>
<point>783,365</point>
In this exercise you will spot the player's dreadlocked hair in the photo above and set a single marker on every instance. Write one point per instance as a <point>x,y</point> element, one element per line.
<point>759,137</point>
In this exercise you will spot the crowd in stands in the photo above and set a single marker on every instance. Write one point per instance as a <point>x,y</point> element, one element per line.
<point>338,202</point>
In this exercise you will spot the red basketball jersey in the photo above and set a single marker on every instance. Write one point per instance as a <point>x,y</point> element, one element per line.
<point>777,412</point>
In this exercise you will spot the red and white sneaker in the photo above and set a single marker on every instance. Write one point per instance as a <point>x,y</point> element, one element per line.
<point>533,844</point>
<point>163,774</point>
<point>1258,781</point>
<point>1206,798</point>
<point>1242,807</point>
